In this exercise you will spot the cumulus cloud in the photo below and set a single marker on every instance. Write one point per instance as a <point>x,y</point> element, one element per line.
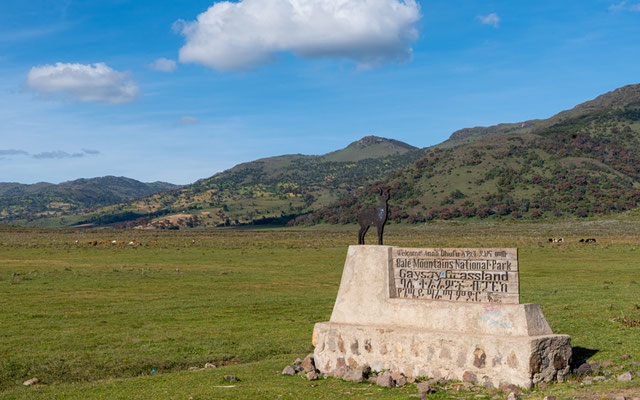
<point>164,65</point>
<point>187,120</point>
<point>94,82</point>
<point>491,19</point>
<point>625,6</point>
<point>244,34</point>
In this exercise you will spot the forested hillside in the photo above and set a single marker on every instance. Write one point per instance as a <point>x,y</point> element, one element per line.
<point>269,190</point>
<point>21,203</point>
<point>581,162</point>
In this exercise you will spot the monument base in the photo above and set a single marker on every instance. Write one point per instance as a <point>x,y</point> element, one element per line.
<point>488,360</point>
<point>377,322</point>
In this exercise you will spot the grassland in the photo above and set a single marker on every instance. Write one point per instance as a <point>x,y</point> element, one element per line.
<point>94,321</point>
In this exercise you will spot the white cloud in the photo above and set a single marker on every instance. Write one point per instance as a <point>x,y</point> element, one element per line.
<point>164,65</point>
<point>51,154</point>
<point>244,34</point>
<point>625,6</point>
<point>56,154</point>
<point>91,151</point>
<point>13,152</point>
<point>491,19</point>
<point>187,120</point>
<point>95,82</point>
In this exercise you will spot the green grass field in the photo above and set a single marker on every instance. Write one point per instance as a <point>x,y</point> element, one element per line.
<point>94,321</point>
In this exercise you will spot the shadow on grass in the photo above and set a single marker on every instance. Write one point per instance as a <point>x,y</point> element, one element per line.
<point>581,354</point>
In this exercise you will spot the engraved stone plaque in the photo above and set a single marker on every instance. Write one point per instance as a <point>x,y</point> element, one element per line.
<point>488,275</point>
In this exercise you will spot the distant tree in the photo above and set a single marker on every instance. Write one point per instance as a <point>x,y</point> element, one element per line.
<point>484,212</point>
<point>308,199</point>
<point>581,212</point>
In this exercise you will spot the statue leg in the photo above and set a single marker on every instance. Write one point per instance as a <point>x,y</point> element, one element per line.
<point>380,232</point>
<point>363,231</point>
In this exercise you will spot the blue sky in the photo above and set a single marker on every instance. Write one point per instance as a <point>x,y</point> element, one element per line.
<point>82,92</point>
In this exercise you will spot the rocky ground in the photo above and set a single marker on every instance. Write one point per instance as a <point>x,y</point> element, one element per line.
<point>584,374</point>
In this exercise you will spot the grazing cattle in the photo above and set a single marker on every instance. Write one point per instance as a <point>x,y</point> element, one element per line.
<point>556,240</point>
<point>589,240</point>
<point>377,216</point>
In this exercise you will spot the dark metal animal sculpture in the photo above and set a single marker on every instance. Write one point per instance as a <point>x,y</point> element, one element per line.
<point>374,216</point>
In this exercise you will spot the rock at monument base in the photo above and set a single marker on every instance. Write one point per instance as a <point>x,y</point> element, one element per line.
<point>513,396</point>
<point>495,343</point>
<point>509,387</point>
<point>288,370</point>
<point>583,370</point>
<point>312,375</point>
<point>385,380</point>
<point>308,363</point>
<point>398,378</point>
<point>424,388</point>
<point>354,375</point>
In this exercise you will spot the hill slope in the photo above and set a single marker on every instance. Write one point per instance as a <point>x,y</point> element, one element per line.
<point>20,203</point>
<point>369,147</point>
<point>582,162</point>
<point>266,190</point>
<point>615,100</point>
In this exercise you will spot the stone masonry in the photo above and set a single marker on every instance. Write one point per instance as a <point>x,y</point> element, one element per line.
<point>486,343</point>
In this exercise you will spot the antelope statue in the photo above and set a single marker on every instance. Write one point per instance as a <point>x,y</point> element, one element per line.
<point>376,215</point>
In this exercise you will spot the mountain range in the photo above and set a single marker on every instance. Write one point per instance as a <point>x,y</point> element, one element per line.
<point>580,162</point>
<point>20,203</point>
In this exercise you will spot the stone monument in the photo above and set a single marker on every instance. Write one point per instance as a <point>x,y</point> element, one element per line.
<point>439,313</point>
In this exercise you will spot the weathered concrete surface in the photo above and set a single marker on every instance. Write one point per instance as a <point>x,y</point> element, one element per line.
<point>496,343</point>
<point>520,360</point>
